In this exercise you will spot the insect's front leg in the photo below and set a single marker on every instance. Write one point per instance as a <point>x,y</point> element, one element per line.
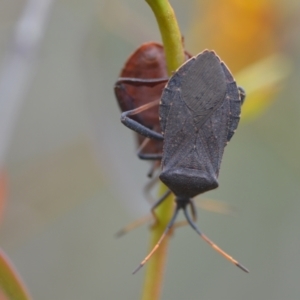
<point>137,127</point>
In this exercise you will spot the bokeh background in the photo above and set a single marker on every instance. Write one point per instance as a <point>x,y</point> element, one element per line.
<point>73,177</point>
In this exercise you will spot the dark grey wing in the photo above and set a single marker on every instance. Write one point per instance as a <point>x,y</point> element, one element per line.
<point>191,97</point>
<point>171,90</point>
<point>220,127</point>
<point>213,134</point>
<point>234,100</point>
<point>179,133</point>
<point>200,108</point>
<point>204,86</point>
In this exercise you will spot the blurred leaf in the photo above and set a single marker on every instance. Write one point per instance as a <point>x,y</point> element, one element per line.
<point>241,32</point>
<point>10,281</point>
<point>262,80</point>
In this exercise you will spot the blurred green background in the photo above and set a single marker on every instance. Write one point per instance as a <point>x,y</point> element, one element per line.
<point>74,178</point>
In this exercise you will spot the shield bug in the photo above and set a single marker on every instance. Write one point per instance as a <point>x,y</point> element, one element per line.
<point>141,82</point>
<point>199,112</point>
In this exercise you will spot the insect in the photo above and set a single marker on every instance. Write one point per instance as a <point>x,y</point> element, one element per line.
<point>148,64</point>
<point>199,112</point>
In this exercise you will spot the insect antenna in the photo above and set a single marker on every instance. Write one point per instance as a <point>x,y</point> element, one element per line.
<point>143,145</point>
<point>169,226</point>
<point>211,243</point>
<point>143,107</point>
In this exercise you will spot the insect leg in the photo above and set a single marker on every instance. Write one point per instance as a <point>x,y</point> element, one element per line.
<point>159,241</point>
<point>212,244</point>
<point>154,167</point>
<point>144,219</point>
<point>147,156</point>
<point>193,210</point>
<point>147,189</point>
<point>139,222</point>
<point>157,203</point>
<point>147,218</point>
<point>137,127</point>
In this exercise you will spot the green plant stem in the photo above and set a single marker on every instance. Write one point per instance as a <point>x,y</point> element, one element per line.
<point>174,53</point>
<point>156,265</point>
<point>170,33</point>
